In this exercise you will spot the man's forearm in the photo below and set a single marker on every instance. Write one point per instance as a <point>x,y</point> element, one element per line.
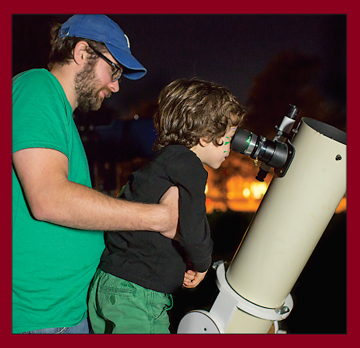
<point>81,207</point>
<point>43,174</point>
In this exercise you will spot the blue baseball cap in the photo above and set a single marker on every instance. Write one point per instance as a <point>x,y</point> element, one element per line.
<point>102,29</point>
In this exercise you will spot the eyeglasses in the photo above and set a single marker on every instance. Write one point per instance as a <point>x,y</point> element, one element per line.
<point>117,70</point>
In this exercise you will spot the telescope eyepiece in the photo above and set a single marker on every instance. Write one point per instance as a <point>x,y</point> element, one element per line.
<point>244,141</point>
<point>272,153</point>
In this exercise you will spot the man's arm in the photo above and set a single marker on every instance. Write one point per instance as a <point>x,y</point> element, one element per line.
<point>43,174</point>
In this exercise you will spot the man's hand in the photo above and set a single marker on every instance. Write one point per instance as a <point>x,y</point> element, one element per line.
<point>170,199</point>
<point>193,278</point>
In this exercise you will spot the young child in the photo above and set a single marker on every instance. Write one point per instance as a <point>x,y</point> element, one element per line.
<point>139,271</point>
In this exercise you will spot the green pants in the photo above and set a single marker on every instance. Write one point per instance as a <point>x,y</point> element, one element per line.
<point>119,306</point>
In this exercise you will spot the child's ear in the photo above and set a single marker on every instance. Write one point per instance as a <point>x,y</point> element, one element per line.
<point>203,142</point>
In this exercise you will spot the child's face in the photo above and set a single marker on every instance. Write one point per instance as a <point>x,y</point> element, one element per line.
<point>213,155</point>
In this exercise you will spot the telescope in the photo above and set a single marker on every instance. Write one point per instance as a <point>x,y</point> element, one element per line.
<point>277,153</point>
<point>254,288</point>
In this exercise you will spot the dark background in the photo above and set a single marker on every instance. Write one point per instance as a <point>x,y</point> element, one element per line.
<point>288,55</point>
<point>268,61</point>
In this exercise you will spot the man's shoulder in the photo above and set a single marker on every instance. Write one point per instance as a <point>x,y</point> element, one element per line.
<point>33,74</point>
<point>39,85</point>
<point>39,80</point>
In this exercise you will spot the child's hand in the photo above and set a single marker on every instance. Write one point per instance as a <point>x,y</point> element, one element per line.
<point>193,278</point>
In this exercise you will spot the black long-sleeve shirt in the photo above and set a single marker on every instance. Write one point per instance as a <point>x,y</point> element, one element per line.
<point>147,258</point>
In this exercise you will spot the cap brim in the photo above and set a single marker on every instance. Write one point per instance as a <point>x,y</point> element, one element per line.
<point>133,69</point>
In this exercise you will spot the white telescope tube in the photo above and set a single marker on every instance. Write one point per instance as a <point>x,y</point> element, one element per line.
<point>255,289</point>
<point>289,223</point>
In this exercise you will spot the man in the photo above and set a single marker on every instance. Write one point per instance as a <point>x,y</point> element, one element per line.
<point>58,218</point>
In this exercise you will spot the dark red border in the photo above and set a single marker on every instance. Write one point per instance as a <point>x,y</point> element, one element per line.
<point>262,6</point>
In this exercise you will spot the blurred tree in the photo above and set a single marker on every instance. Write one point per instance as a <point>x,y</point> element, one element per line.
<point>288,79</point>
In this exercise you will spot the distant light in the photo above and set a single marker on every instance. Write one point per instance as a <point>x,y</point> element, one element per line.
<point>136,116</point>
<point>342,206</point>
<point>231,195</point>
<point>246,192</point>
<point>258,189</point>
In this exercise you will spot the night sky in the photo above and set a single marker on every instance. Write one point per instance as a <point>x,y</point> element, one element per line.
<point>229,49</point>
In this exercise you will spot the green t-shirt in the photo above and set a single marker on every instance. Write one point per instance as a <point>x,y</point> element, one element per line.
<point>52,265</point>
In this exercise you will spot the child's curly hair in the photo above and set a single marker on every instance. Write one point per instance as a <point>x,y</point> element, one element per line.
<point>190,109</point>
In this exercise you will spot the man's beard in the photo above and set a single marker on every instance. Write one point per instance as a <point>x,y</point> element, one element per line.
<point>87,90</point>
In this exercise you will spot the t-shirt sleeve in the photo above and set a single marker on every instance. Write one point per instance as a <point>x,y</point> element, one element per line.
<point>39,115</point>
<point>188,173</point>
